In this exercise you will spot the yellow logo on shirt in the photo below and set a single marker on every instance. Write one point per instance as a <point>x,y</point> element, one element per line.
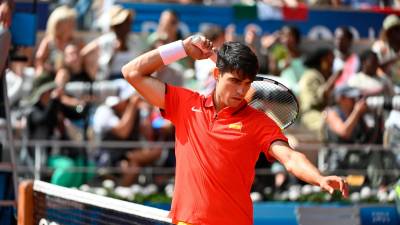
<point>236,126</point>
<point>183,223</point>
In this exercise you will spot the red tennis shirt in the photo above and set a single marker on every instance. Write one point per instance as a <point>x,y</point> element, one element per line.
<point>216,155</point>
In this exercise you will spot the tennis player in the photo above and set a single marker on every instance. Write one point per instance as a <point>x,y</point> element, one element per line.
<point>218,137</point>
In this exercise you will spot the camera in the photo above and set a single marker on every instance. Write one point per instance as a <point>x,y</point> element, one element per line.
<point>99,89</point>
<point>383,102</point>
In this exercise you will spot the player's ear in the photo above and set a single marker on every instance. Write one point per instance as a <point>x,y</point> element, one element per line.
<point>216,73</point>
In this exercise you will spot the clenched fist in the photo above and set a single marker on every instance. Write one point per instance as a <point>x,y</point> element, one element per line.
<point>202,48</point>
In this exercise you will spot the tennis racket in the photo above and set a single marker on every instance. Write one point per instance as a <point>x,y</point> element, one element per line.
<point>268,95</point>
<point>274,99</point>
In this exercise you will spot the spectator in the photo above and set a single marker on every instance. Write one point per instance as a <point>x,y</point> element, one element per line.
<point>344,118</point>
<point>270,52</point>
<point>369,83</point>
<point>104,56</point>
<point>315,88</point>
<point>73,68</point>
<point>125,118</point>
<point>367,80</point>
<point>345,125</point>
<point>5,23</point>
<point>83,11</point>
<point>392,137</point>
<point>60,32</point>
<point>6,7</point>
<point>47,110</point>
<point>388,48</point>
<point>48,120</point>
<point>282,50</point>
<point>346,62</point>
<point>167,26</point>
<point>392,133</point>
<point>168,29</point>
<point>252,39</point>
<point>292,66</point>
<point>230,33</point>
<point>5,40</point>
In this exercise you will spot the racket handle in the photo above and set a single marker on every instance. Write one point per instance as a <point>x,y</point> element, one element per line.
<point>197,40</point>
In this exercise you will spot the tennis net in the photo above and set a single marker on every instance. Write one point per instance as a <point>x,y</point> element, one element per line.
<point>55,205</point>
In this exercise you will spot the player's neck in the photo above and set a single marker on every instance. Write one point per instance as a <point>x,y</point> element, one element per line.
<point>218,105</point>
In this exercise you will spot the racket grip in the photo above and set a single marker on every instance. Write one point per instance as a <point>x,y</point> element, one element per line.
<point>197,40</point>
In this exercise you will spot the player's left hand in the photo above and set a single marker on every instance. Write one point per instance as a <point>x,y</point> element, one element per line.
<point>332,183</point>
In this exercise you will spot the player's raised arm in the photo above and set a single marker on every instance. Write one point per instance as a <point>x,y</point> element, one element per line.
<point>137,72</point>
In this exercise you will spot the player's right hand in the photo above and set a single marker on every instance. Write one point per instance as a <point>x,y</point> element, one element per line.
<point>332,183</point>
<point>201,50</point>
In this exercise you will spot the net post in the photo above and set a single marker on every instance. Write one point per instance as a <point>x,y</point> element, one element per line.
<point>25,203</point>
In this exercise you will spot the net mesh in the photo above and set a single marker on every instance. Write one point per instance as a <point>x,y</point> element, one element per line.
<point>72,207</point>
<point>273,98</point>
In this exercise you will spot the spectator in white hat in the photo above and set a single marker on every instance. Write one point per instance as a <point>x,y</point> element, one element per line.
<point>388,48</point>
<point>106,55</point>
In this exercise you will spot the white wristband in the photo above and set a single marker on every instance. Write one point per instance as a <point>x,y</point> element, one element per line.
<point>172,52</point>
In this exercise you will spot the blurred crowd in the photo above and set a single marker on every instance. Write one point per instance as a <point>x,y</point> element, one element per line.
<point>293,3</point>
<point>72,89</point>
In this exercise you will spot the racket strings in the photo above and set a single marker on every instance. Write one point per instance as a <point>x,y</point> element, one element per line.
<point>275,100</point>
